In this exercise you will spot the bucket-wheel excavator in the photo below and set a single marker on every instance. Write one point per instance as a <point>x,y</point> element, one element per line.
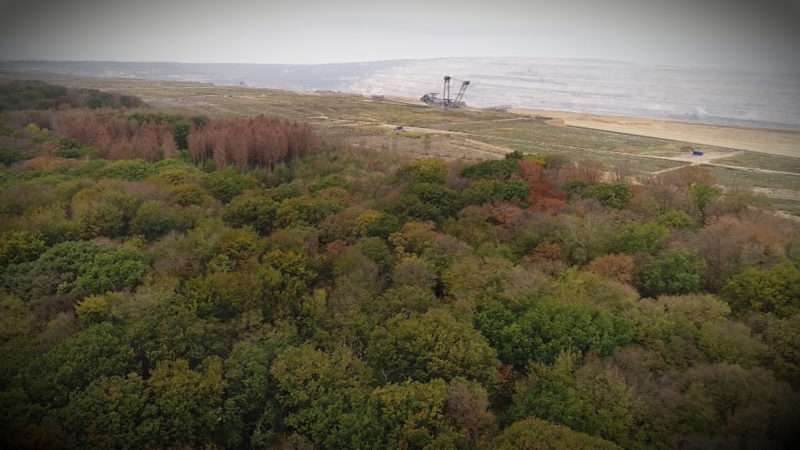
<point>433,99</point>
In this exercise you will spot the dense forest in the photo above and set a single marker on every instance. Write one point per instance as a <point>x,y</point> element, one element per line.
<point>186,282</point>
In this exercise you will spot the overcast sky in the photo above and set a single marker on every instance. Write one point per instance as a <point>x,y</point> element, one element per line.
<point>761,35</point>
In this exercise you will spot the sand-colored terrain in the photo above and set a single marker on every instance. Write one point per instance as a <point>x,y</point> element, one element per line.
<point>764,140</point>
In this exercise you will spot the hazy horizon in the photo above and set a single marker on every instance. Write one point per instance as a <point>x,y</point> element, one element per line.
<point>784,71</point>
<point>581,85</point>
<point>701,34</point>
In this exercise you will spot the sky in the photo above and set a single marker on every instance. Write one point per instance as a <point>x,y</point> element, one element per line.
<point>760,35</point>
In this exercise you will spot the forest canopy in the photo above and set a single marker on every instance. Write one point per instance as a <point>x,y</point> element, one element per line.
<point>173,281</point>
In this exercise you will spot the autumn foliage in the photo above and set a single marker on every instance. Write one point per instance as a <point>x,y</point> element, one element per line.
<point>114,136</point>
<point>253,141</point>
<point>541,197</point>
<point>616,266</point>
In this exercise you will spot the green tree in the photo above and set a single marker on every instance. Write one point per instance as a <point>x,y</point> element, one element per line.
<point>430,170</point>
<point>609,194</point>
<point>402,299</point>
<point>286,277</point>
<point>93,309</point>
<point>493,169</point>
<point>227,184</point>
<point>189,401</point>
<point>538,434</point>
<point>775,290</point>
<point>702,194</point>
<point>154,219</point>
<point>188,194</point>
<point>641,237</point>
<point>741,405</point>
<point>426,201</point>
<point>411,415</point>
<point>382,226</point>
<point>20,246</point>
<point>113,412</point>
<point>512,189</point>
<point>554,326</point>
<point>251,415</point>
<point>730,342</point>
<point>428,346</point>
<point>304,211</point>
<point>9,156</point>
<point>324,396</point>
<point>782,337</point>
<point>131,170</point>
<point>239,246</point>
<point>111,270</point>
<point>104,209</point>
<point>94,352</point>
<point>588,400</point>
<point>676,219</point>
<point>673,272</point>
<point>55,270</point>
<point>165,331</point>
<point>258,212</point>
<point>17,337</point>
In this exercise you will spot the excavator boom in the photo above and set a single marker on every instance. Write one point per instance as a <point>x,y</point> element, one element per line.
<point>445,101</point>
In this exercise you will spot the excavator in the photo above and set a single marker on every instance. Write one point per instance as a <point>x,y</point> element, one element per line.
<point>445,101</point>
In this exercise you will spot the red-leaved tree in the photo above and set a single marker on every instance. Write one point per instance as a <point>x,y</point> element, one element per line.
<point>250,141</point>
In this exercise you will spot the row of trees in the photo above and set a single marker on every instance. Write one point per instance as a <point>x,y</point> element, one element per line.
<point>250,142</point>
<point>255,142</point>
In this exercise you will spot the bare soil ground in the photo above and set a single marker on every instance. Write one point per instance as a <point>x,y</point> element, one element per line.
<point>765,140</point>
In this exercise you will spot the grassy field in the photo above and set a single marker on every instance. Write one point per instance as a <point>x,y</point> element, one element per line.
<point>561,138</point>
<point>456,134</point>
<point>756,179</point>
<point>762,161</point>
